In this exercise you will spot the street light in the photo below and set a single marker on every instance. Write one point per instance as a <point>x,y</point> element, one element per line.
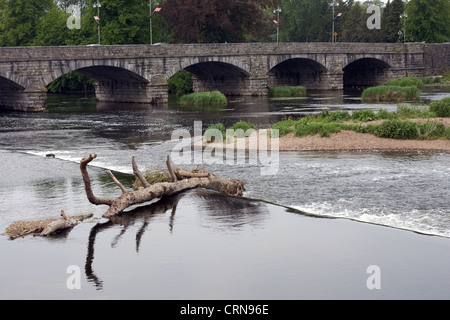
<point>404,16</point>
<point>97,18</point>
<point>278,11</point>
<point>157,9</point>
<point>333,33</point>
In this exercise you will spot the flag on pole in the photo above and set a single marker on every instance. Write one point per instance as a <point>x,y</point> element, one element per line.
<point>97,18</point>
<point>158,9</point>
<point>276,22</point>
<point>339,14</point>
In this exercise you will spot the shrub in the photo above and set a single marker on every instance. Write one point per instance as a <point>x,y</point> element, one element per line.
<point>334,116</point>
<point>410,111</point>
<point>396,129</point>
<point>287,91</point>
<point>244,126</point>
<point>386,115</point>
<point>209,133</point>
<point>447,133</point>
<point>437,80</point>
<point>364,115</point>
<point>214,98</point>
<point>180,83</point>
<point>441,108</point>
<point>284,127</point>
<point>390,94</point>
<point>312,128</point>
<point>431,130</point>
<point>446,77</point>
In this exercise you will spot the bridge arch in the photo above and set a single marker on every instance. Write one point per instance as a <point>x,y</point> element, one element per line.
<point>297,72</point>
<point>114,80</point>
<point>365,72</point>
<point>99,70</point>
<point>7,84</point>
<point>226,77</point>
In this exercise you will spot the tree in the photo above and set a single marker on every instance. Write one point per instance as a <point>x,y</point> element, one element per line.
<point>428,20</point>
<point>216,21</point>
<point>19,20</point>
<point>311,20</point>
<point>121,22</point>
<point>355,24</point>
<point>391,20</point>
<point>52,28</point>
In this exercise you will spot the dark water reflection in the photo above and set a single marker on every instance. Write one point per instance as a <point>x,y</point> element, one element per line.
<point>223,214</point>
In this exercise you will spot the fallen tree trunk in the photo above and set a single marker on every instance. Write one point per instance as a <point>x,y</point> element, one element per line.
<point>181,180</point>
<point>44,227</point>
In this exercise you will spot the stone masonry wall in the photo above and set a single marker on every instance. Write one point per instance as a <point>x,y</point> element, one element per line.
<point>437,59</point>
<point>148,67</point>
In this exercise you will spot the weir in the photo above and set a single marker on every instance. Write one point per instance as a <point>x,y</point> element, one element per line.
<point>139,73</point>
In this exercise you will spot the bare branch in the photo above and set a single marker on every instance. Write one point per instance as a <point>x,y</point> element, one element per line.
<point>138,174</point>
<point>157,190</point>
<point>169,167</point>
<point>116,181</point>
<point>87,182</point>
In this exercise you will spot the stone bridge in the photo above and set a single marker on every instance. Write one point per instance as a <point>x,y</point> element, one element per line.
<point>139,73</point>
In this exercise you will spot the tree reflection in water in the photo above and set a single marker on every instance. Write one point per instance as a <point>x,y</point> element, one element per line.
<point>220,211</point>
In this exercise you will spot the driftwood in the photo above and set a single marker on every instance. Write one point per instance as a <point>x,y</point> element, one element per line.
<point>181,180</point>
<point>44,227</point>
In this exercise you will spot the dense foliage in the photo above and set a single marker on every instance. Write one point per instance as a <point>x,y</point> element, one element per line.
<point>44,22</point>
<point>216,21</point>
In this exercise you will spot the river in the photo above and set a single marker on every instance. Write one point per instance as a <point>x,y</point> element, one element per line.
<point>403,190</point>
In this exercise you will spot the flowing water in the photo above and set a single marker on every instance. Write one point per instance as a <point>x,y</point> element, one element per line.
<point>405,190</point>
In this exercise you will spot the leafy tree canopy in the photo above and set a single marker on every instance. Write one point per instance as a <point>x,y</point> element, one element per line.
<point>428,20</point>
<point>216,21</point>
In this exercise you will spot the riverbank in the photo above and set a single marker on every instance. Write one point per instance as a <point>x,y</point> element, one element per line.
<point>345,140</point>
<point>354,141</point>
<point>351,140</point>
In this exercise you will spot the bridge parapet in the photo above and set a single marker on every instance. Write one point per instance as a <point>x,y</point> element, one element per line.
<point>139,73</point>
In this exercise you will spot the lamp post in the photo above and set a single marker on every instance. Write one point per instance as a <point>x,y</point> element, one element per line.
<point>151,16</point>
<point>333,37</point>
<point>404,16</point>
<point>98,6</point>
<point>277,11</point>
<point>151,24</point>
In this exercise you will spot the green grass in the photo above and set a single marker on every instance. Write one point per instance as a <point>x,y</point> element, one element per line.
<point>210,132</point>
<point>406,82</point>
<point>241,129</point>
<point>446,77</point>
<point>395,126</point>
<point>214,98</point>
<point>287,91</point>
<point>152,177</point>
<point>391,94</point>
<point>441,108</point>
<point>405,111</point>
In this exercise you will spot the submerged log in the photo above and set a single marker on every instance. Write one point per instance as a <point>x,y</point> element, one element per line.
<point>44,227</point>
<point>181,180</point>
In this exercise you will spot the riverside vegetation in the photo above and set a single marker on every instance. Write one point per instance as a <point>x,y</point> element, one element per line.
<point>210,98</point>
<point>400,90</point>
<point>395,125</point>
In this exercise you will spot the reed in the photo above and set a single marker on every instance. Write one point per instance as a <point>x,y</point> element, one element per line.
<point>214,98</point>
<point>406,82</point>
<point>391,94</point>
